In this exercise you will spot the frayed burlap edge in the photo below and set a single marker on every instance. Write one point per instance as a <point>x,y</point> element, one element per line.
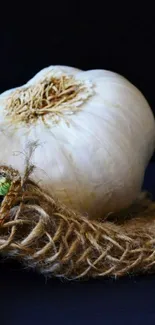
<point>48,237</point>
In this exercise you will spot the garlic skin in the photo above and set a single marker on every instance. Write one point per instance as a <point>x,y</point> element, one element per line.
<point>96,161</point>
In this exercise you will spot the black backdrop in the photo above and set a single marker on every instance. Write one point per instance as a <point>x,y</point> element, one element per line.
<point>77,33</point>
<point>99,35</point>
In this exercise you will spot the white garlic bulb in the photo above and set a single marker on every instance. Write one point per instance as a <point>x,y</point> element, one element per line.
<point>96,134</point>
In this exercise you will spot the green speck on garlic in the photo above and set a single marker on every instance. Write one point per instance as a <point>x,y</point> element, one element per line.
<point>4,185</point>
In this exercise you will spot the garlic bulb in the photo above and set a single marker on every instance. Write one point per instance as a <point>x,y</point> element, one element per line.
<point>95,133</point>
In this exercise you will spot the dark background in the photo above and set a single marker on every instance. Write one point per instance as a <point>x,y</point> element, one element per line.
<point>108,35</point>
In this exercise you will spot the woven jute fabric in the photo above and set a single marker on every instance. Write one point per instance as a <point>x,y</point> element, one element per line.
<point>45,235</point>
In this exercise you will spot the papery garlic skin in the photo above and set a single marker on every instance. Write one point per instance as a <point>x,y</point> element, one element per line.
<point>95,163</point>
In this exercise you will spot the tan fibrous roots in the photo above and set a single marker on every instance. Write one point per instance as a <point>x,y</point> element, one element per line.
<point>52,96</point>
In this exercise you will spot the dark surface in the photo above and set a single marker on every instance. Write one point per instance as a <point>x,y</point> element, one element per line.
<point>27,299</point>
<point>109,36</point>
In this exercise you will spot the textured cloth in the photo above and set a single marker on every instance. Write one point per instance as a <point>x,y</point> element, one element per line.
<point>27,298</point>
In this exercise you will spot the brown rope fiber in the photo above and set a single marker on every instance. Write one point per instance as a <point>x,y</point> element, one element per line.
<point>45,235</point>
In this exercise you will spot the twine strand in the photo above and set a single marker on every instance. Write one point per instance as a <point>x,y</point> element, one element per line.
<point>56,241</point>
